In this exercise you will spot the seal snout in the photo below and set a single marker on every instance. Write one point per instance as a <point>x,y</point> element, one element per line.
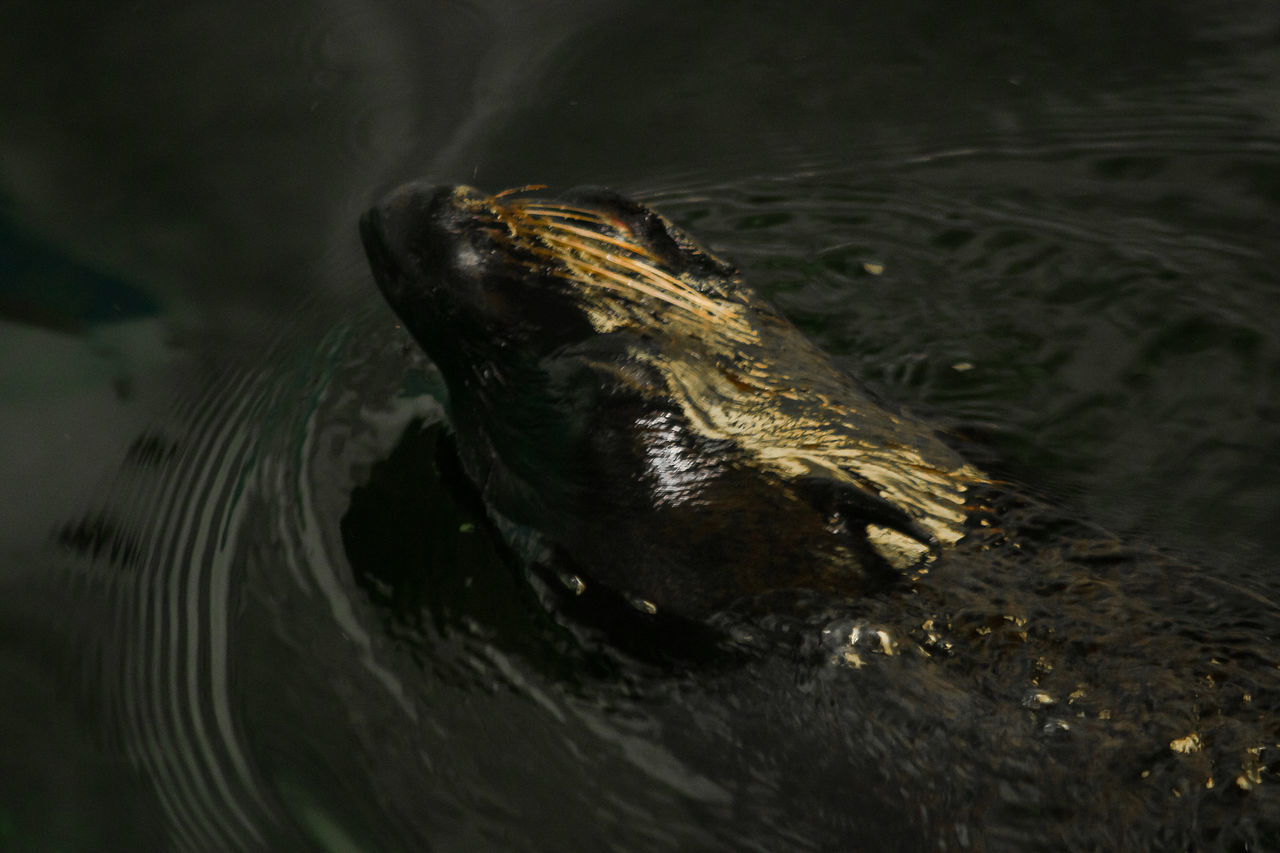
<point>393,228</point>
<point>408,215</point>
<point>371,230</point>
<point>381,258</point>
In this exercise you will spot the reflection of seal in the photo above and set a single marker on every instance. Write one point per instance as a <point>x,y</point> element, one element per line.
<point>620,390</point>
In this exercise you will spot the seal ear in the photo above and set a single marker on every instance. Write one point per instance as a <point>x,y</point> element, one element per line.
<point>858,507</point>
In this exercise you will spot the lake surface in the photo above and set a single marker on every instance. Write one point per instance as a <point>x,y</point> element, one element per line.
<point>1049,230</point>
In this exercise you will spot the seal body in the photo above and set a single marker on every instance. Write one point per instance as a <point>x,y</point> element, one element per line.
<point>1018,679</point>
<point>624,393</point>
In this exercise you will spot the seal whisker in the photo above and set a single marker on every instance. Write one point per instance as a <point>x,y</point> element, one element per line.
<point>658,279</point>
<point>581,265</point>
<point>527,188</point>
<point>551,225</point>
<point>586,273</point>
<point>567,211</point>
<point>605,238</point>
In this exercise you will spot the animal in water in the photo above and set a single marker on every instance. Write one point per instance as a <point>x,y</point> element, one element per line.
<point>621,391</point>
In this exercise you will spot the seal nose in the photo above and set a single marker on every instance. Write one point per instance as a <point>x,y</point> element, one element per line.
<point>415,229</point>
<point>371,235</point>
<point>410,195</point>
<point>416,208</point>
<point>387,228</point>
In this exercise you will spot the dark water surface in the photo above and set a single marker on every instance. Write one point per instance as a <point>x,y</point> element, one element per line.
<point>1049,229</point>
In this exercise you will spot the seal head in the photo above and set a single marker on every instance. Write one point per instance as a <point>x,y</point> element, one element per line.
<point>618,389</point>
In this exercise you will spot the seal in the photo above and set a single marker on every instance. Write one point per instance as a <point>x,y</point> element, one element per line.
<point>621,391</point>
<point>1016,677</point>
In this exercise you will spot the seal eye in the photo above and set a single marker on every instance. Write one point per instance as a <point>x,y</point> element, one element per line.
<point>474,251</point>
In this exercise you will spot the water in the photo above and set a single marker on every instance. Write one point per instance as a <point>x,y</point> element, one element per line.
<point>1051,231</point>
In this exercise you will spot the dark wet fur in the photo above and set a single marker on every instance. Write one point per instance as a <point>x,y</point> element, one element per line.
<point>1041,686</point>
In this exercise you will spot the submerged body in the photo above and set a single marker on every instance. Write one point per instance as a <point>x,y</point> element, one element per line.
<point>673,437</point>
